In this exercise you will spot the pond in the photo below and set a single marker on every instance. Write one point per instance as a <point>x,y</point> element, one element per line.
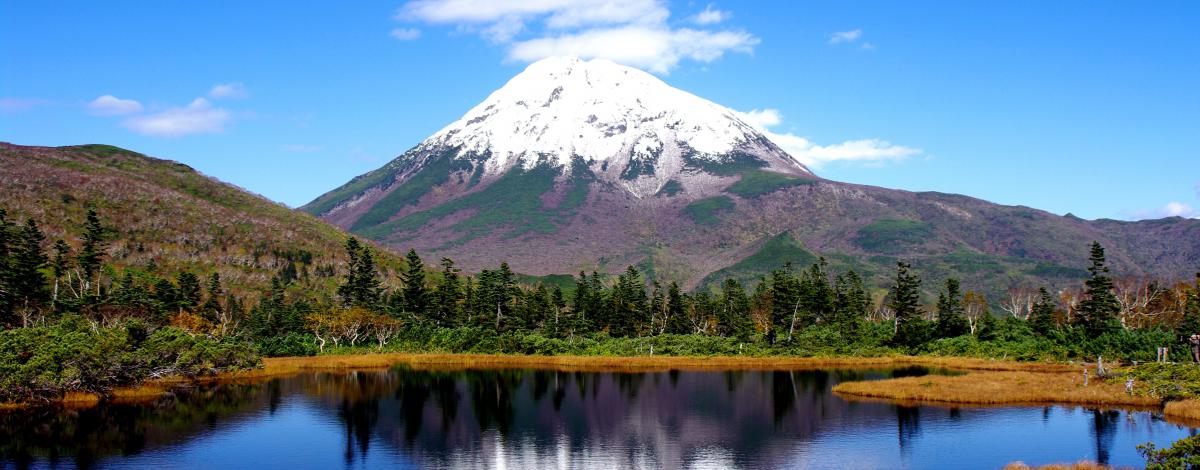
<point>516,419</point>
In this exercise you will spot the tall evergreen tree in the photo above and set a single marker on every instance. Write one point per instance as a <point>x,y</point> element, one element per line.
<point>446,295</point>
<point>26,261</point>
<point>211,310</point>
<point>951,317</point>
<point>853,302</point>
<point>580,301</point>
<point>361,285</point>
<point>7,296</point>
<point>1099,309</point>
<point>413,278</point>
<point>1041,317</point>
<point>677,321</point>
<point>60,265</point>
<point>785,299</point>
<point>735,311</point>
<point>911,329</point>
<point>189,291</point>
<point>91,253</point>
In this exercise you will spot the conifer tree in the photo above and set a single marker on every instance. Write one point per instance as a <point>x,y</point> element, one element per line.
<point>91,253</point>
<point>677,321</point>
<point>59,265</point>
<point>579,303</point>
<point>785,299</point>
<point>413,278</point>
<point>853,302</point>
<point>1099,308</point>
<point>735,310</point>
<point>951,317</point>
<point>211,310</point>
<point>189,291</point>
<point>906,306</point>
<point>7,295</point>
<point>26,280</point>
<point>361,285</point>
<point>1041,317</point>
<point>446,295</point>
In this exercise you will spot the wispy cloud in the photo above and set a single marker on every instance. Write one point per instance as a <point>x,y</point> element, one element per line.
<point>18,105</point>
<point>710,16</point>
<point>633,32</point>
<point>109,105</point>
<point>228,91</point>
<point>845,36</point>
<point>1170,209</point>
<point>198,117</point>
<point>813,155</point>
<point>405,34</point>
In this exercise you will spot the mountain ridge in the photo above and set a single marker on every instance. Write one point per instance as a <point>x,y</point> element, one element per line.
<point>684,214</point>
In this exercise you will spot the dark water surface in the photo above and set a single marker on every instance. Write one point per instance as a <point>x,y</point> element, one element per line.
<point>517,419</point>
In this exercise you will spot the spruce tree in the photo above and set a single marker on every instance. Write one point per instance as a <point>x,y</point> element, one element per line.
<point>60,265</point>
<point>91,252</point>
<point>7,296</point>
<point>951,317</point>
<point>677,321</point>
<point>26,261</point>
<point>189,291</point>
<point>853,303</point>
<point>785,299</point>
<point>413,278</point>
<point>446,295</point>
<point>905,303</point>
<point>735,311</point>
<point>211,310</point>
<point>1041,317</point>
<point>1099,309</point>
<point>579,303</point>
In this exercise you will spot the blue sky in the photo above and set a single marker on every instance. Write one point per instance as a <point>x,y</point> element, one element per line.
<point>1085,107</point>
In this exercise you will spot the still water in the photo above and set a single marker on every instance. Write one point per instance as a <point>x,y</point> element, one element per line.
<point>517,419</point>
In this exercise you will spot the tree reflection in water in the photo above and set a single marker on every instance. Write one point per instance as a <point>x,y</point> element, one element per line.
<point>531,418</point>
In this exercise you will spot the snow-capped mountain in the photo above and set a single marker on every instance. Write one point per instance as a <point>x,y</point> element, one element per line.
<point>591,165</point>
<point>562,108</point>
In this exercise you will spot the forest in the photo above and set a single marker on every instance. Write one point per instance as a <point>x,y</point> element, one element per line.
<point>73,322</point>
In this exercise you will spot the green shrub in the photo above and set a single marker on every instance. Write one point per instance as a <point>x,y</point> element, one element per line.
<point>43,363</point>
<point>1183,454</point>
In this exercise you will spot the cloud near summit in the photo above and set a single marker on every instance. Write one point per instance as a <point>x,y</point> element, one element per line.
<point>632,32</point>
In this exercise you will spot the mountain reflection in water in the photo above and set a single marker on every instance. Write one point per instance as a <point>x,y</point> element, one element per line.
<point>505,418</point>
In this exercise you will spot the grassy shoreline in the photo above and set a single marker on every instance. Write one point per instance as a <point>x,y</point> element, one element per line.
<point>988,382</point>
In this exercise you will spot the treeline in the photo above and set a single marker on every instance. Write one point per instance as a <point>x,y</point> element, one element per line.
<point>791,310</point>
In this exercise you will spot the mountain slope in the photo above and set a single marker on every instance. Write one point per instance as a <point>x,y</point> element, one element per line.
<point>591,165</point>
<point>166,216</point>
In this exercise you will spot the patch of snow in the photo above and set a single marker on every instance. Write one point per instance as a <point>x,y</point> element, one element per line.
<point>563,107</point>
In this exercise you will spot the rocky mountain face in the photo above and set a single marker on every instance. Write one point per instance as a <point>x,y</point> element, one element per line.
<point>588,165</point>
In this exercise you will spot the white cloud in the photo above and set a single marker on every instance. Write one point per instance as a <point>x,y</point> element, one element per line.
<point>710,16</point>
<point>632,32</point>
<point>866,46</point>
<point>405,34</point>
<point>763,118</point>
<point>109,105</point>
<point>812,155</point>
<point>845,36</point>
<point>198,117</point>
<point>1171,209</point>
<point>655,49</point>
<point>556,13</point>
<point>228,90</point>
<point>17,105</point>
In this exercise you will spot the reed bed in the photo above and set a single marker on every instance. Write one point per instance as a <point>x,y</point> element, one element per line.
<point>1081,465</point>
<point>1000,388</point>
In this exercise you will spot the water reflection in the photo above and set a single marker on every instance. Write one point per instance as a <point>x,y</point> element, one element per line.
<point>545,418</point>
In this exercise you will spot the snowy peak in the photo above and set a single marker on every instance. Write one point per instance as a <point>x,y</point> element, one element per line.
<point>563,107</point>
